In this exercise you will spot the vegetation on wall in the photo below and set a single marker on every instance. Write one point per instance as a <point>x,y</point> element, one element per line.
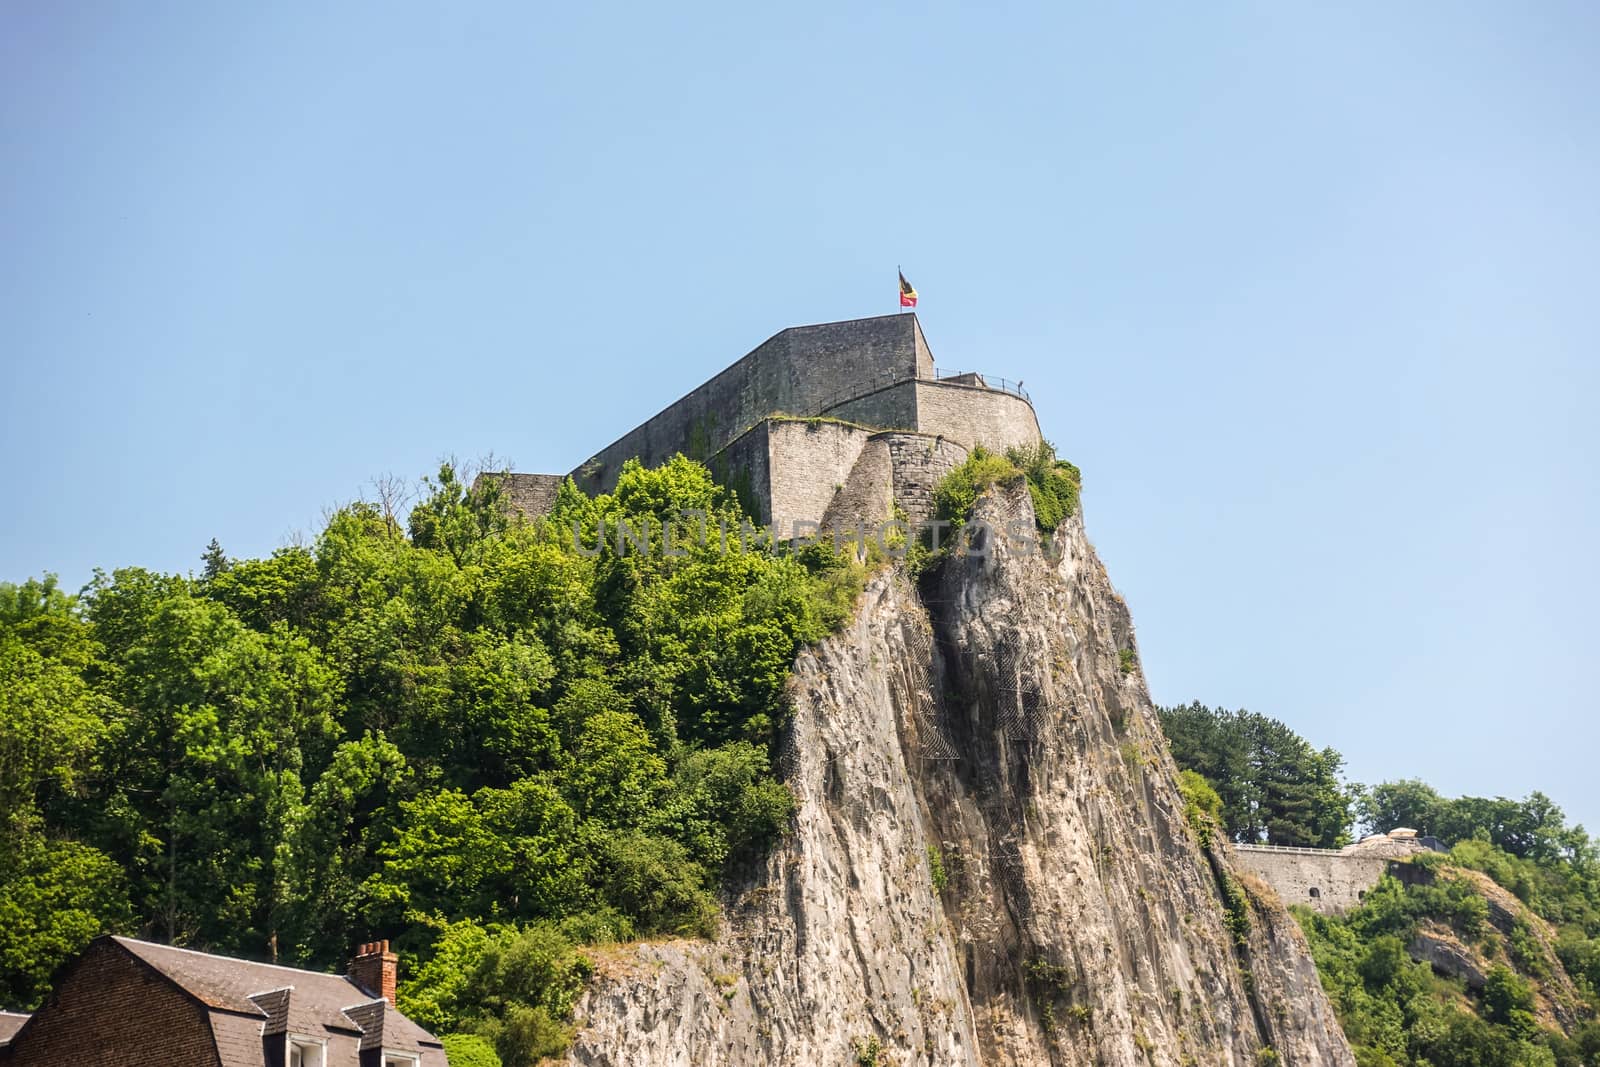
<point>471,733</point>
<point>1053,484</point>
<point>470,1050</point>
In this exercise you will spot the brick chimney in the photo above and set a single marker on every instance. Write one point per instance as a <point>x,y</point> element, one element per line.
<point>375,970</point>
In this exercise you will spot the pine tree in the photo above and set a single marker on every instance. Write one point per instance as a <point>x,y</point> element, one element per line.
<point>215,559</point>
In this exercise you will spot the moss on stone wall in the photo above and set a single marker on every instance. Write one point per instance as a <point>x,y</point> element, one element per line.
<point>702,433</point>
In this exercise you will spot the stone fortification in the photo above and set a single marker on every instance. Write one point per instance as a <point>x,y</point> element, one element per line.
<point>1328,880</point>
<point>532,494</point>
<point>827,425</point>
<point>803,370</point>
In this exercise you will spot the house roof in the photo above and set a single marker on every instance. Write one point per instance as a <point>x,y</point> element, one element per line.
<point>282,999</point>
<point>10,1023</point>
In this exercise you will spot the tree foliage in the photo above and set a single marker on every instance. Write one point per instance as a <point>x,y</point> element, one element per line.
<point>488,738</point>
<point>1533,828</point>
<point>1258,780</point>
<point>1399,1012</point>
<point>1274,786</point>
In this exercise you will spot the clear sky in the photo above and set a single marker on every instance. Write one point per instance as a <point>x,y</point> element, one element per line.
<point>1310,295</point>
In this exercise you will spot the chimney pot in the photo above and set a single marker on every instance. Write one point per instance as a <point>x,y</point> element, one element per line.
<point>375,969</point>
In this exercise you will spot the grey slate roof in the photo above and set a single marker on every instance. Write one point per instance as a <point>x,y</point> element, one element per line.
<point>276,1006</point>
<point>250,999</point>
<point>10,1023</point>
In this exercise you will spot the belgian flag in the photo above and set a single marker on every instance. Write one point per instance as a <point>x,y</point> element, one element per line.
<point>908,295</point>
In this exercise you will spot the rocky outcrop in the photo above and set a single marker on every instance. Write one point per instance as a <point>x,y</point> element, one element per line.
<point>1437,945</point>
<point>990,862</point>
<point>1514,936</point>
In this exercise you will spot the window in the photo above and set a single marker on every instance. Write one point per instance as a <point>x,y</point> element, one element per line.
<point>399,1059</point>
<point>1315,893</point>
<point>304,1052</point>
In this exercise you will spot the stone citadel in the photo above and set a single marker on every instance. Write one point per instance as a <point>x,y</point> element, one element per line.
<point>828,424</point>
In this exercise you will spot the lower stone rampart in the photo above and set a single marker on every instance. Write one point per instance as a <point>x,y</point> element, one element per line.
<point>810,461</point>
<point>837,475</point>
<point>1324,880</point>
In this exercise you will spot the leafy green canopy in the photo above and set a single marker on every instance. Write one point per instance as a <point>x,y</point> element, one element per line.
<point>1273,785</point>
<point>1256,778</point>
<point>1399,1012</point>
<point>472,720</point>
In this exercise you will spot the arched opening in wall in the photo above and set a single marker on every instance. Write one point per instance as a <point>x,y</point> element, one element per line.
<point>1361,894</point>
<point>1316,894</point>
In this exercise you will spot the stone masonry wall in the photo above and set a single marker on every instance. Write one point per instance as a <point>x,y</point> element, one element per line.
<point>1339,879</point>
<point>799,371</point>
<point>974,415</point>
<point>866,500</point>
<point>919,461</point>
<point>810,462</point>
<point>745,467</point>
<point>531,494</point>
<point>790,471</point>
<point>891,408</point>
<point>876,373</point>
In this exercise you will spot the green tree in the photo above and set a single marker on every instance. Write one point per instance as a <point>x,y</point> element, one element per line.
<point>1275,787</point>
<point>215,560</point>
<point>56,893</point>
<point>220,722</point>
<point>501,853</point>
<point>462,722</point>
<point>469,1050</point>
<point>55,896</point>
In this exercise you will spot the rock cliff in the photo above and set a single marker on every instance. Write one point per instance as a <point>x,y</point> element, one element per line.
<point>990,862</point>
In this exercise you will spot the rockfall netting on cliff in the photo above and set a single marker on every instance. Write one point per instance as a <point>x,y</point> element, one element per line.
<point>990,862</point>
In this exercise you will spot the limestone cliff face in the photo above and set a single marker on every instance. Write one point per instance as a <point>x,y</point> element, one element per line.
<point>990,863</point>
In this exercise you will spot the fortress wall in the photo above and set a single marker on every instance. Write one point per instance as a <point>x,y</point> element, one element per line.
<point>891,408</point>
<point>918,462</point>
<point>972,415</point>
<point>790,470</point>
<point>797,371</point>
<point>1339,879</point>
<point>867,499</point>
<point>810,462</point>
<point>745,467</point>
<point>531,494</point>
<point>924,356</point>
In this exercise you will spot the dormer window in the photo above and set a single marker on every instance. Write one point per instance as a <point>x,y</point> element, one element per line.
<point>306,1052</point>
<point>400,1059</point>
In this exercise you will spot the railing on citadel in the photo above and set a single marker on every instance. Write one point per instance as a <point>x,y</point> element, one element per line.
<point>1288,848</point>
<point>986,381</point>
<point>969,378</point>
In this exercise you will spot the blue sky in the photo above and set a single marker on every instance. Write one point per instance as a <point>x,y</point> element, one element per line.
<point>1310,295</point>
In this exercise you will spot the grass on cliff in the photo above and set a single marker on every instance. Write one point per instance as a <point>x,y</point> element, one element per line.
<point>1053,484</point>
